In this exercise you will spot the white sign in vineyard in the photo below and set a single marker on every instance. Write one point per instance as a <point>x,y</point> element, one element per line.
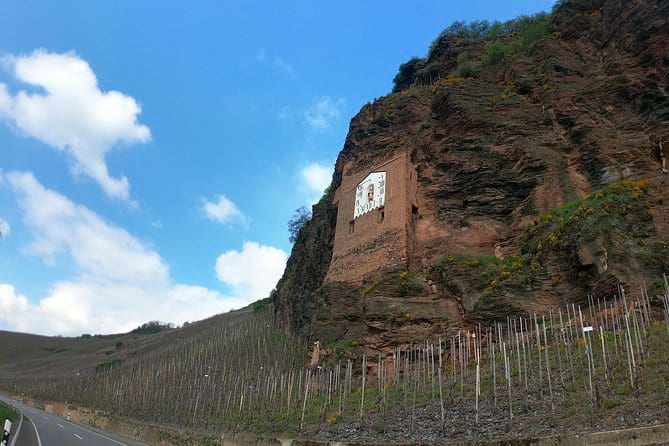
<point>370,193</point>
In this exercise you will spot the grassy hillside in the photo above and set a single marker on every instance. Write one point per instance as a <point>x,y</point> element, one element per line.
<point>33,352</point>
<point>184,376</point>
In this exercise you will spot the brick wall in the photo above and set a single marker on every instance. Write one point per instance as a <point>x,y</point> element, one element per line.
<point>380,238</point>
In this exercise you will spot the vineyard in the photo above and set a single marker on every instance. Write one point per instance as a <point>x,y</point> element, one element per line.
<point>579,368</point>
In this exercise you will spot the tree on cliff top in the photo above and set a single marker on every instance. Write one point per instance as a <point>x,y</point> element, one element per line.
<point>300,218</point>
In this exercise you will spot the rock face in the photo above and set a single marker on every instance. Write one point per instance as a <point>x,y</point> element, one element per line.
<point>493,152</point>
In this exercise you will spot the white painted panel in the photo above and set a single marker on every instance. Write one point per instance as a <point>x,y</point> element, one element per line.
<point>370,193</point>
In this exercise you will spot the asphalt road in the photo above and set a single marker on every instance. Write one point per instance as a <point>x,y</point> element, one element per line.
<point>40,428</point>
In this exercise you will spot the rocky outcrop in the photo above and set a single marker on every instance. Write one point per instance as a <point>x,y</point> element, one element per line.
<point>493,151</point>
<point>294,296</point>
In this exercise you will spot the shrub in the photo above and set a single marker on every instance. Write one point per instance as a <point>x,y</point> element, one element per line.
<point>405,76</point>
<point>564,6</point>
<point>610,212</point>
<point>152,327</point>
<point>531,31</point>
<point>487,273</point>
<point>624,389</point>
<point>108,366</point>
<point>496,30</point>
<point>495,53</point>
<point>260,306</point>
<point>342,344</point>
<point>485,30</point>
<point>409,284</point>
<point>610,403</point>
<point>555,280</point>
<point>465,67</point>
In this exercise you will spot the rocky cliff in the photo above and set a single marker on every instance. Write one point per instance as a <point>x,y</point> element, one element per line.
<point>538,151</point>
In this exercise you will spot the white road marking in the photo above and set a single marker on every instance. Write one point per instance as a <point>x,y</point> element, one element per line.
<point>95,433</point>
<point>39,440</point>
<point>46,418</point>
<point>60,425</point>
<point>18,431</point>
<point>78,437</point>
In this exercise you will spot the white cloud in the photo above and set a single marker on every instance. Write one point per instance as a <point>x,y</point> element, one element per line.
<point>62,227</point>
<point>253,271</point>
<point>284,113</point>
<point>121,283</point>
<point>5,229</point>
<point>276,62</point>
<point>14,308</point>
<point>284,67</point>
<point>323,112</point>
<point>222,210</point>
<point>72,114</point>
<point>315,179</point>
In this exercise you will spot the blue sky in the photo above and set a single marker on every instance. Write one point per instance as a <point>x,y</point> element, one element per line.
<point>247,100</point>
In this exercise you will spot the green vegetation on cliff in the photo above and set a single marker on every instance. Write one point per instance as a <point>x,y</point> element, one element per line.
<point>519,36</point>
<point>616,214</point>
<point>611,225</point>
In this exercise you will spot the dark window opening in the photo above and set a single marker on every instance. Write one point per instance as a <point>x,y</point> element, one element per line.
<point>351,227</point>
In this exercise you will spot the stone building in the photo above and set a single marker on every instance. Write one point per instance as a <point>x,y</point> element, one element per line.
<point>376,214</point>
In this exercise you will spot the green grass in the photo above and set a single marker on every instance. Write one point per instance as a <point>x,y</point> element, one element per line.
<point>7,412</point>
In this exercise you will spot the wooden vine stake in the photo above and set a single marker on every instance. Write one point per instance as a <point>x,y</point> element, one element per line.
<point>548,367</point>
<point>494,377</point>
<point>587,354</point>
<point>507,373</point>
<point>304,404</point>
<point>666,302</point>
<point>441,392</point>
<point>606,366</point>
<point>478,379</point>
<point>364,376</point>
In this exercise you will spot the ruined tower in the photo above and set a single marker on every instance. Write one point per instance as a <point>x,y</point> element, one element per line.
<point>376,214</point>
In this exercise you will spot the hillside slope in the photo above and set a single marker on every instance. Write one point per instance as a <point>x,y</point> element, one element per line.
<point>130,374</point>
